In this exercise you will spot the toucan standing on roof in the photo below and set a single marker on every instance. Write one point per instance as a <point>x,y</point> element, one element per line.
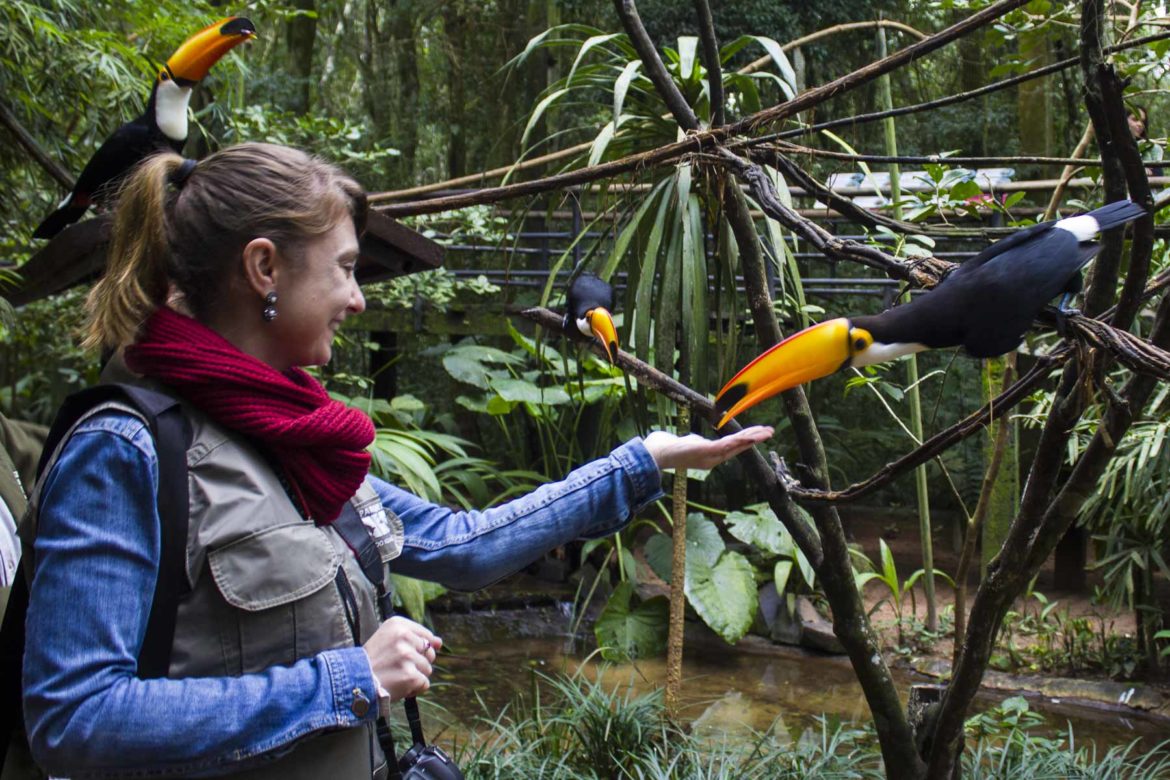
<point>163,125</point>
<point>985,306</point>
<point>589,303</point>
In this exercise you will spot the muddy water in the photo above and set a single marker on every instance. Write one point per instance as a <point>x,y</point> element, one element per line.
<point>727,691</point>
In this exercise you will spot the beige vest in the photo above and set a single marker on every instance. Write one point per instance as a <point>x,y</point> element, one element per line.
<point>265,591</point>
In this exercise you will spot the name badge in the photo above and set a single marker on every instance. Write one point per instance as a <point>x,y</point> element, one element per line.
<point>385,529</point>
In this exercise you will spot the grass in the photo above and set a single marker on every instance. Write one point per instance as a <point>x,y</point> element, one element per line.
<point>571,728</point>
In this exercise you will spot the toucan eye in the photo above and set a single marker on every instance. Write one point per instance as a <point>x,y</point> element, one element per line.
<point>859,344</point>
<point>164,76</point>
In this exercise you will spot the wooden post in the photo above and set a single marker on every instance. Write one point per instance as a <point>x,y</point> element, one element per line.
<point>678,574</point>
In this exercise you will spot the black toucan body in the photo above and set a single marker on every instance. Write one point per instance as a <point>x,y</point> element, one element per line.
<point>589,303</point>
<point>163,125</point>
<point>985,306</point>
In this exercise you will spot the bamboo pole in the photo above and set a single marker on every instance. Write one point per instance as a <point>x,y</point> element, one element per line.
<point>914,398</point>
<point>678,574</point>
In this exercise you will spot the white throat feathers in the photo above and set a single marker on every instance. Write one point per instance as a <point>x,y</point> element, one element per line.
<point>170,109</point>
<point>880,353</point>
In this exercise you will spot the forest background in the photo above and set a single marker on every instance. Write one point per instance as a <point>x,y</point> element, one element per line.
<point>415,92</point>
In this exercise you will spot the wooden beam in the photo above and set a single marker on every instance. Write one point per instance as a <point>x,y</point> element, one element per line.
<point>78,254</point>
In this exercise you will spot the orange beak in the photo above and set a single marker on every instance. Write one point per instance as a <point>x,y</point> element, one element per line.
<point>194,58</point>
<point>812,353</point>
<point>601,323</point>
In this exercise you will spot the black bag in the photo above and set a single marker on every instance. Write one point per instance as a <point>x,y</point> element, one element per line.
<point>172,437</point>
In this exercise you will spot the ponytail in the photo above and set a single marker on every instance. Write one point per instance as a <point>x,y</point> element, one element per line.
<point>135,282</point>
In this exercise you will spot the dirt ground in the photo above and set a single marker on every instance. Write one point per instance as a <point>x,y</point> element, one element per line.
<point>900,532</point>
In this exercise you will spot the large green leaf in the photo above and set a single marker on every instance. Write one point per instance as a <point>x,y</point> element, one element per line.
<point>659,551</point>
<point>622,86</point>
<point>787,74</point>
<point>724,595</point>
<point>762,530</point>
<point>650,263</point>
<point>537,112</point>
<point>519,390</point>
<point>703,540</point>
<point>414,594</point>
<point>687,46</point>
<point>630,628</point>
<point>601,143</point>
<point>596,40</point>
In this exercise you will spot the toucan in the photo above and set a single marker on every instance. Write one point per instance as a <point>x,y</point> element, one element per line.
<point>162,125</point>
<point>589,303</point>
<point>984,306</point>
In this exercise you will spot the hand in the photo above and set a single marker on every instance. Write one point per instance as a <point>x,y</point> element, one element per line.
<point>401,653</point>
<point>694,452</point>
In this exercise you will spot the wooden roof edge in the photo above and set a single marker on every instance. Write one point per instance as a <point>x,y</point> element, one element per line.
<point>78,253</point>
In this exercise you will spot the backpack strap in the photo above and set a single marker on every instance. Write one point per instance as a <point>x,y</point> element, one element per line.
<point>171,431</point>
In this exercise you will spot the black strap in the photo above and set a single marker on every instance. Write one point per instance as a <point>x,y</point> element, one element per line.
<point>359,539</point>
<point>172,436</point>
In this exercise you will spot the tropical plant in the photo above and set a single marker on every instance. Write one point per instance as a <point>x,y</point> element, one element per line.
<point>898,588</point>
<point>661,234</point>
<point>720,583</point>
<point>538,399</point>
<point>1130,510</point>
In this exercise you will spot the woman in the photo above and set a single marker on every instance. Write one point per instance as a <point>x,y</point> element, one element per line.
<point>277,652</point>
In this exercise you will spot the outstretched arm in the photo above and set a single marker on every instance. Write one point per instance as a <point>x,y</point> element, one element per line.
<point>469,550</point>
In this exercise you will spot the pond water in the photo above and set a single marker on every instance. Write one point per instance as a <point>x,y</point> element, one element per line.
<point>727,691</point>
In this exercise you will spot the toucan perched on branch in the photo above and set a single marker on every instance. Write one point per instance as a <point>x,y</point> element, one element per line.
<point>985,306</point>
<point>163,125</point>
<point>588,306</point>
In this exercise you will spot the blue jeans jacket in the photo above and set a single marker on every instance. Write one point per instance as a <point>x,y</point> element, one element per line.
<point>97,550</point>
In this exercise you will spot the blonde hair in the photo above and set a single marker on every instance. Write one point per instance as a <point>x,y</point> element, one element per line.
<point>189,233</point>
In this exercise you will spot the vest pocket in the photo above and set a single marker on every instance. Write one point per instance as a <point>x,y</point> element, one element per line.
<point>276,582</point>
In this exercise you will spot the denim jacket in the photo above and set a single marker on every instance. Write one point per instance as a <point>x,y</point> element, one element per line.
<point>96,552</point>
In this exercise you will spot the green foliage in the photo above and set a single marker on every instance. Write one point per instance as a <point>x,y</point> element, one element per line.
<point>1058,642</point>
<point>898,589</point>
<point>43,359</point>
<point>73,72</point>
<point>585,732</point>
<point>413,595</point>
<point>535,388</point>
<point>438,288</point>
<point>720,584</point>
<point>661,236</point>
<point>631,628</point>
<point>580,730</point>
<point>408,453</point>
<point>1004,747</point>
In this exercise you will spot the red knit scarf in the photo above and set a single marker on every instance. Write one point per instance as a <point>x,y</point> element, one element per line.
<point>320,443</point>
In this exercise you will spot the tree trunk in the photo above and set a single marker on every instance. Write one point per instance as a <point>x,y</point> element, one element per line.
<point>455,33</point>
<point>300,37</point>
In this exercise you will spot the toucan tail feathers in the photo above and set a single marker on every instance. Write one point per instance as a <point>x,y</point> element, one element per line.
<point>1118,213</point>
<point>59,220</point>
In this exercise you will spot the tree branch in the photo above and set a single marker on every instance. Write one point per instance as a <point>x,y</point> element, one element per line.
<point>959,97</point>
<point>51,166</point>
<point>702,407</point>
<point>653,67</point>
<point>707,139</point>
<point>943,440</point>
<point>711,61</point>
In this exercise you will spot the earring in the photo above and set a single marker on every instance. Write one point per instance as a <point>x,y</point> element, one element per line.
<point>269,312</point>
